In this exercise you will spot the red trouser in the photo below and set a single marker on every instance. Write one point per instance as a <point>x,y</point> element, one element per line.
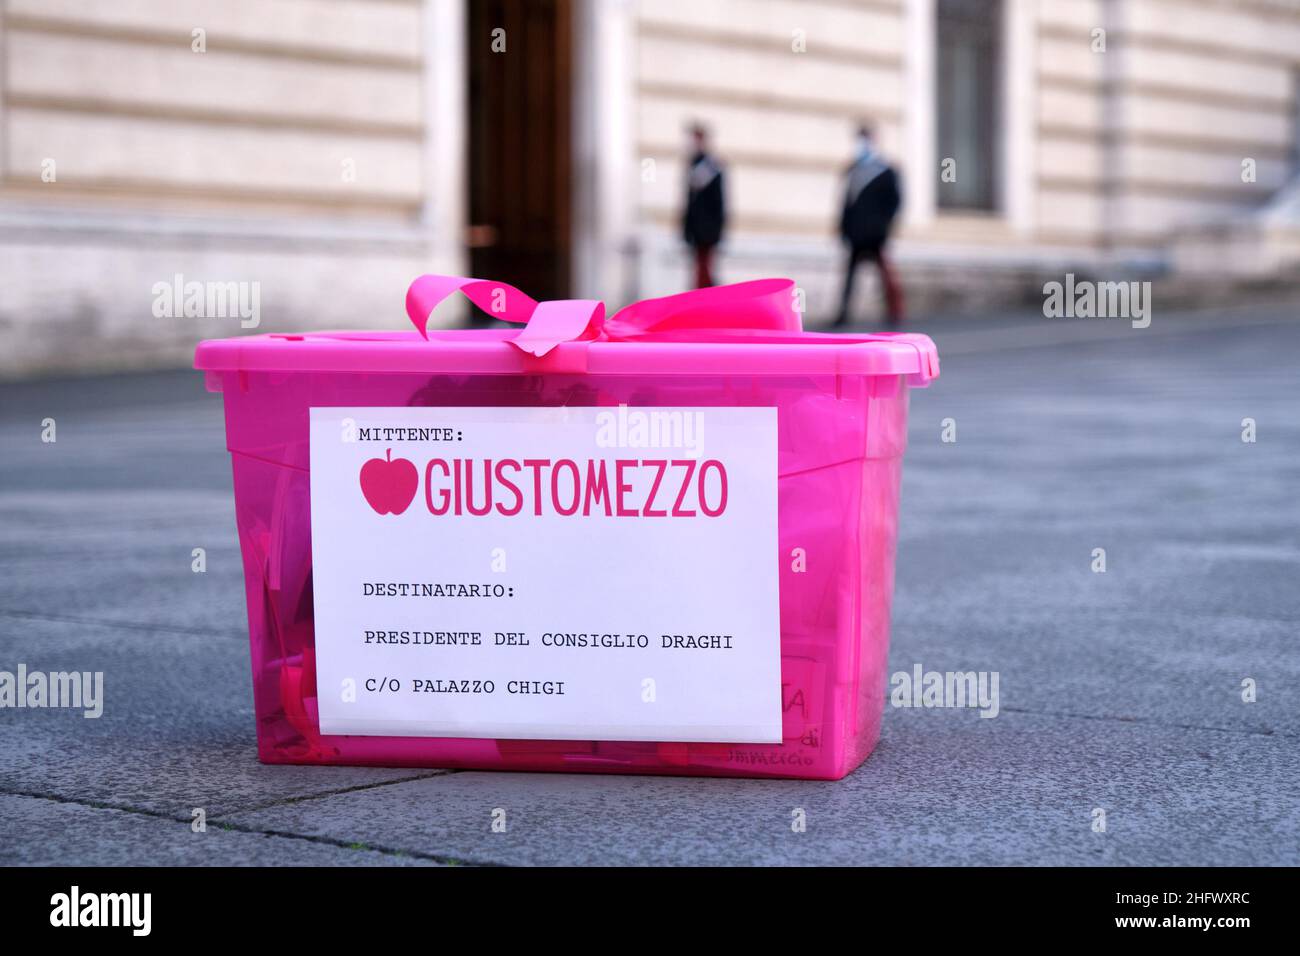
<point>888,279</point>
<point>704,266</point>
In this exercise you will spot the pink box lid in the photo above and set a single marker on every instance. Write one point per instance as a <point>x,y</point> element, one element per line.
<point>748,328</point>
<point>488,351</point>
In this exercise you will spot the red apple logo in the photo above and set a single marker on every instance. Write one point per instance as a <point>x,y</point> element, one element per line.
<point>389,485</point>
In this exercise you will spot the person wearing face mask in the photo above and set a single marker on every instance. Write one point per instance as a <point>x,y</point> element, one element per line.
<point>705,215</point>
<point>872,196</point>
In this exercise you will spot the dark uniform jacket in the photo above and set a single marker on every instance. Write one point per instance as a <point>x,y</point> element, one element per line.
<point>872,196</point>
<point>705,216</point>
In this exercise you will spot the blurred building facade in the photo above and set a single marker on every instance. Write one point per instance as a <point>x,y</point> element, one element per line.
<point>329,150</point>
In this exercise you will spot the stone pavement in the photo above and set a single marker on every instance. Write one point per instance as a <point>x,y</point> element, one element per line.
<point>1119,691</point>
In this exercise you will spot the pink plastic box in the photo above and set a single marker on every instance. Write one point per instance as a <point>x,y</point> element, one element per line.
<point>841,411</point>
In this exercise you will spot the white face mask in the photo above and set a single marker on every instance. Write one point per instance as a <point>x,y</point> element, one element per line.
<point>865,145</point>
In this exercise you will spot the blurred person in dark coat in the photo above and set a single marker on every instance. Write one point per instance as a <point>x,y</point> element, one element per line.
<point>872,196</point>
<point>705,216</point>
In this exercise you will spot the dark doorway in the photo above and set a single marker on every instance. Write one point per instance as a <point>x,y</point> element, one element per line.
<point>968,120</point>
<point>519,152</point>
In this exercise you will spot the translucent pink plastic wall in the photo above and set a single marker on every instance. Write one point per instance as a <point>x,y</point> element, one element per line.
<point>841,440</point>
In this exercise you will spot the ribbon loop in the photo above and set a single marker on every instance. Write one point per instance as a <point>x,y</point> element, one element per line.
<point>766,305</point>
<point>760,306</point>
<point>497,299</point>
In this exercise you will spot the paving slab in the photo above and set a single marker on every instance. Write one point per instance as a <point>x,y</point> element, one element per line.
<point>43,832</point>
<point>71,554</point>
<point>177,730</point>
<point>943,788</point>
<point>1131,444</point>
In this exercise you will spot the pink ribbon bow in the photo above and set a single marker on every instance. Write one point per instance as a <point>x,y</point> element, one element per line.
<point>762,306</point>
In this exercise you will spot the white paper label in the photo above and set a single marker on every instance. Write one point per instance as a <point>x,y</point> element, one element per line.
<point>547,573</point>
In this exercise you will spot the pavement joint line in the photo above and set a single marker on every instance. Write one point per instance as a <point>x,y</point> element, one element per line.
<point>92,804</point>
<point>307,797</point>
<point>126,625</point>
<point>1152,720</point>
<point>441,859</point>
